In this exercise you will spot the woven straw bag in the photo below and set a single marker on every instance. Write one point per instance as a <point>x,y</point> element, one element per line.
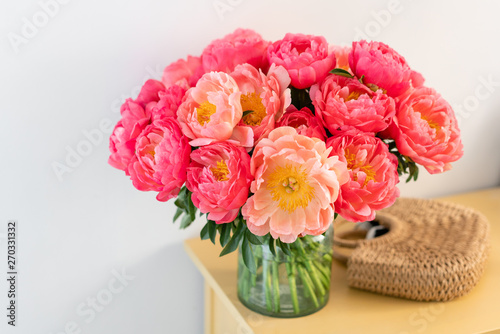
<point>434,251</point>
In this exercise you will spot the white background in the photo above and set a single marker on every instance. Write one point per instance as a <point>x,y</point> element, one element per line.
<point>71,74</point>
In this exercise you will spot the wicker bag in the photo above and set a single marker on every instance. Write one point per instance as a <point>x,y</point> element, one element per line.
<point>434,251</point>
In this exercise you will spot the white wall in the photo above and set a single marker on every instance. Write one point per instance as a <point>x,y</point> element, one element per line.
<point>69,77</point>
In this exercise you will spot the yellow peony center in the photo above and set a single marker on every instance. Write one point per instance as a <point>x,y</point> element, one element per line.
<point>355,165</point>
<point>353,96</point>
<point>204,111</point>
<point>251,104</point>
<point>220,171</point>
<point>432,124</point>
<point>290,188</point>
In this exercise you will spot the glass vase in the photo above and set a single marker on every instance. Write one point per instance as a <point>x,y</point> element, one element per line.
<point>288,286</point>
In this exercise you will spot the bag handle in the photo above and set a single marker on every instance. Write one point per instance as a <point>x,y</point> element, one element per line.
<point>349,239</point>
<point>353,238</point>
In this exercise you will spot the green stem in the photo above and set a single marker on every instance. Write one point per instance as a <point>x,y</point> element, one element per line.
<point>307,277</point>
<point>241,279</point>
<point>291,271</point>
<point>253,277</point>
<point>323,274</point>
<point>322,268</point>
<point>328,257</point>
<point>246,283</point>
<point>311,270</point>
<point>267,280</point>
<point>276,286</point>
<point>243,276</point>
<point>307,285</point>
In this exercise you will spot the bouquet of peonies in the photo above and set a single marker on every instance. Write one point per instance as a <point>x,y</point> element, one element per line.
<point>272,140</point>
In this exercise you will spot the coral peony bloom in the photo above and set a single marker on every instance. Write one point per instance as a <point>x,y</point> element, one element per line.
<point>240,47</point>
<point>341,56</point>
<point>304,122</point>
<point>122,141</point>
<point>169,102</point>
<point>161,159</point>
<point>373,175</point>
<point>212,110</point>
<point>382,66</point>
<point>305,57</point>
<point>295,186</point>
<point>343,103</point>
<point>219,177</point>
<point>184,73</point>
<point>426,130</point>
<point>263,98</point>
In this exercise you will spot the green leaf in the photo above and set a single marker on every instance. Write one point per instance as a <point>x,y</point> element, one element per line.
<point>185,206</point>
<point>361,79</point>
<point>233,244</point>
<point>413,174</point>
<point>204,235</point>
<point>185,222</point>
<point>246,112</point>
<point>181,200</point>
<point>234,224</point>
<point>410,174</point>
<point>271,245</point>
<point>191,208</point>
<point>335,215</point>
<point>180,203</point>
<point>248,259</point>
<point>252,238</point>
<point>402,164</point>
<point>212,230</point>
<point>405,164</point>
<point>342,73</point>
<point>225,234</point>
<point>284,247</point>
<point>178,213</point>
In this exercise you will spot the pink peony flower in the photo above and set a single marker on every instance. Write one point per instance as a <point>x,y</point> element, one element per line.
<point>161,159</point>
<point>212,110</point>
<point>264,98</point>
<point>305,57</point>
<point>426,130</point>
<point>169,102</point>
<point>373,175</point>
<point>240,47</point>
<point>184,73</point>
<point>219,177</point>
<point>341,56</point>
<point>382,66</point>
<point>122,140</point>
<point>304,122</point>
<point>343,103</point>
<point>295,186</point>
<point>149,92</point>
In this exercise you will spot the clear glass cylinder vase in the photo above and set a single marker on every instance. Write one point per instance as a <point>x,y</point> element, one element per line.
<point>288,286</point>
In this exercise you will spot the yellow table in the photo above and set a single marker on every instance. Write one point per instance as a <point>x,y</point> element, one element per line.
<point>356,311</point>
